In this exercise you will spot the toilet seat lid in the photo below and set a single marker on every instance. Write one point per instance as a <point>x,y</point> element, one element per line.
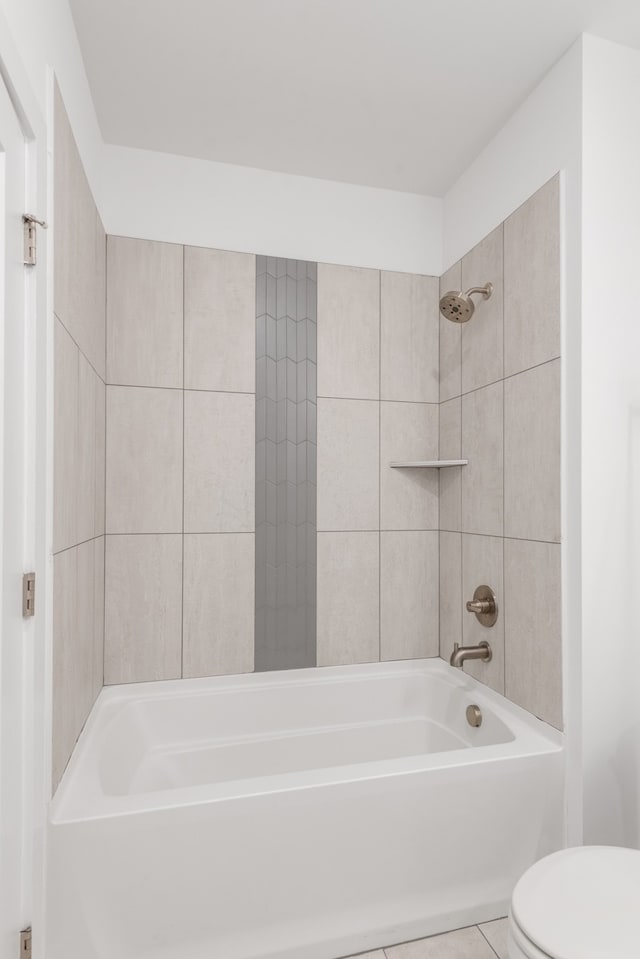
<point>582,902</point>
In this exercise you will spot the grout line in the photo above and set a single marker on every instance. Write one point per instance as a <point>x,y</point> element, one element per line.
<point>104,504</point>
<point>504,499</point>
<point>466,532</point>
<point>436,935</point>
<point>184,364</point>
<point>257,483</point>
<point>374,399</point>
<point>480,930</point>
<point>314,440</point>
<point>82,542</point>
<point>178,389</point>
<point>511,376</point>
<point>439,478</point>
<point>462,480</point>
<point>379,465</point>
<point>460,598</point>
<point>461,331</point>
<point>80,350</point>
<point>429,529</point>
<point>178,532</point>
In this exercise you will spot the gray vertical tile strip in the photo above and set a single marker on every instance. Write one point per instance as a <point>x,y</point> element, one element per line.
<point>286,458</point>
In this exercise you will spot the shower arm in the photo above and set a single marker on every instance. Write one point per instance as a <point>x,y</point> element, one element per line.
<point>485,290</point>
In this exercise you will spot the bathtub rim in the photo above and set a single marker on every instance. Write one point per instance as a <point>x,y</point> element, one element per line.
<point>80,798</point>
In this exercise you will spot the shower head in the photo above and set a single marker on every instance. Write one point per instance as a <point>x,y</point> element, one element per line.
<point>458,306</point>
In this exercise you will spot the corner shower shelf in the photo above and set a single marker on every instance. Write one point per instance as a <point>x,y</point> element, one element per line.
<point>428,464</point>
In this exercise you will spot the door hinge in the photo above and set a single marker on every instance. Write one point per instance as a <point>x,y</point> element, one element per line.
<point>25,943</point>
<point>30,222</point>
<point>29,594</point>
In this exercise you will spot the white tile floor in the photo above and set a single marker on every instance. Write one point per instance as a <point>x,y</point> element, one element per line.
<point>485,941</point>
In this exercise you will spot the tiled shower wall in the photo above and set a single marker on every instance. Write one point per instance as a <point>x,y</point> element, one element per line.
<point>377,527</point>
<point>79,453</point>
<point>180,478</point>
<point>181,464</point>
<point>398,551</point>
<point>500,408</point>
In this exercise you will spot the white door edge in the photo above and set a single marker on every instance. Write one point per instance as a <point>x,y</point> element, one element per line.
<point>38,496</point>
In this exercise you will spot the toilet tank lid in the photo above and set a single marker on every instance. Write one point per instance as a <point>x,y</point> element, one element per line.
<point>584,902</point>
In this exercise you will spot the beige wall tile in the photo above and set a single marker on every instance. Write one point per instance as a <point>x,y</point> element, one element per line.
<point>218,612</point>
<point>409,333</point>
<point>482,564</point>
<point>144,460</point>
<point>219,462</point>
<point>348,598</point>
<point>65,452</point>
<point>482,445</point>
<point>408,497</point>
<point>451,605</point>
<point>219,320</point>
<point>532,454</point>
<point>143,608</point>
<point>408,595</point>
<point>532,281</point>
<point>144,312</point>
<point>482,335</point>
<point>77,644</point>
<point>450,340</point>
<point>450,448</point>
<point>348,332</point>
<point>80,247</point>
<point>348,437</point>
<point>533,626</point>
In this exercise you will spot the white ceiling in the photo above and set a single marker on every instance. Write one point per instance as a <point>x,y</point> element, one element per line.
<point>400,94</point>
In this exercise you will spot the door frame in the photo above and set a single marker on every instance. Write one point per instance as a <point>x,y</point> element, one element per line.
<point>38,398</point>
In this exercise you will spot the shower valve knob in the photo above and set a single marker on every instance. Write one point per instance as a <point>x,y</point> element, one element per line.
<point>484,606</point>
<point>480,606</point>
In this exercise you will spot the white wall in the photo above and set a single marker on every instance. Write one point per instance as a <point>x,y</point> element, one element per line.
<point>542,137</point>
<point>163,197</point>
<point>611,443</point>
<point>44,34</point>
<point>159,196</point>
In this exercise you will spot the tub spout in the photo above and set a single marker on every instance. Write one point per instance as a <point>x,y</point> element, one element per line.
<point>461,653</point>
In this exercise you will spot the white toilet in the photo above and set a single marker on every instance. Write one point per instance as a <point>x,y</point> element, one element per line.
<point>580,903</point>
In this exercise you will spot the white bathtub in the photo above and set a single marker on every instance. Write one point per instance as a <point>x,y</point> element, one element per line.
<point>308,814</point>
